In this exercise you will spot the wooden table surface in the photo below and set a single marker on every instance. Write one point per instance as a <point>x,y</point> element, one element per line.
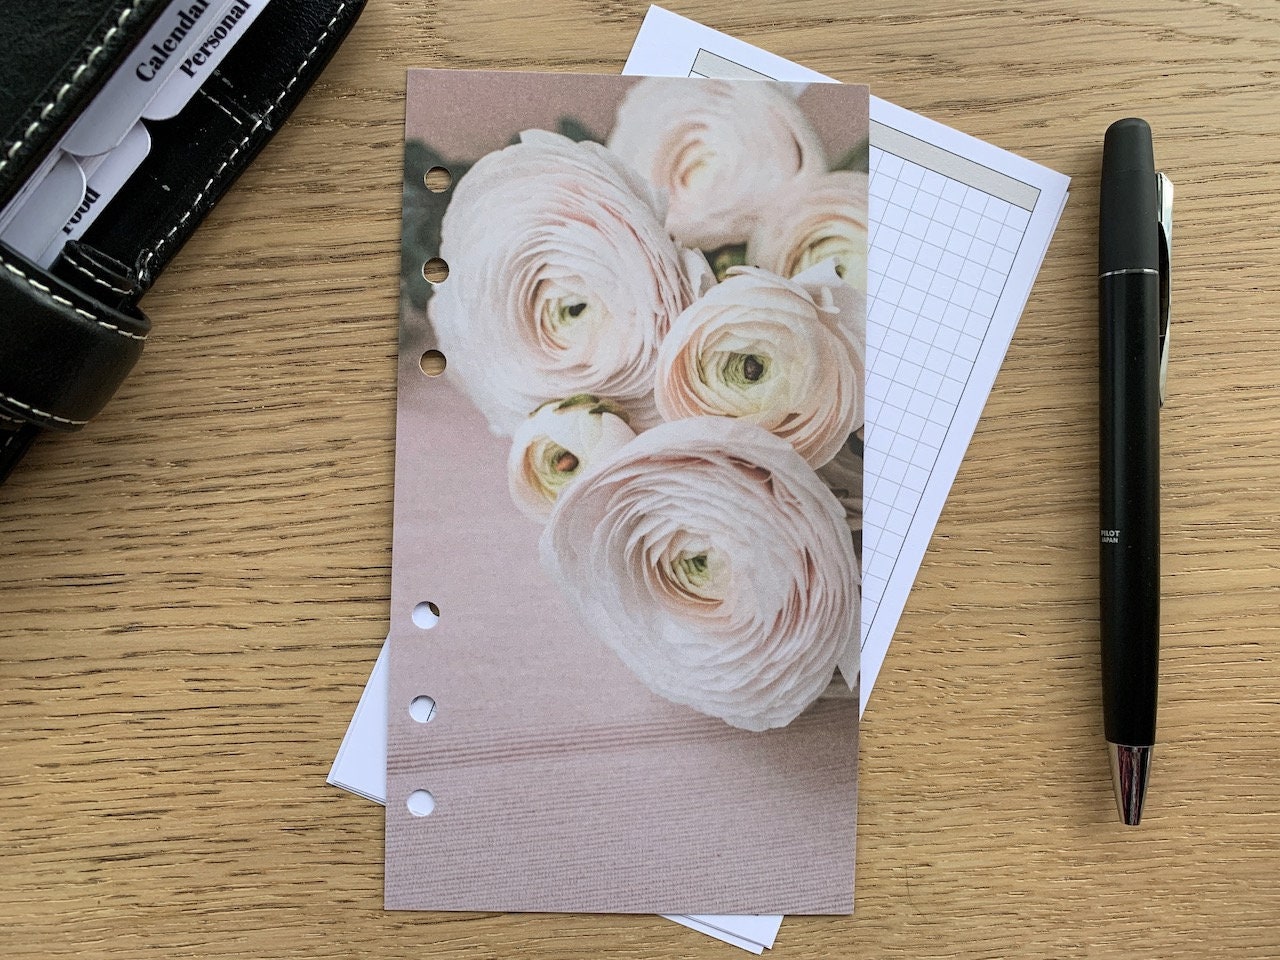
<point>195,587</point>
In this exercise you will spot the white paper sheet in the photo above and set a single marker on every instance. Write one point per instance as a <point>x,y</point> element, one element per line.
<point>958,231</point>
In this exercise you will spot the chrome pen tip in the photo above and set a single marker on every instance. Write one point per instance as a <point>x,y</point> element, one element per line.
<point>1130,768</point>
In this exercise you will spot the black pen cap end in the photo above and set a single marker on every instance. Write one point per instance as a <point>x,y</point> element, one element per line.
<point>1127,146</point>
<point>1128,230</point>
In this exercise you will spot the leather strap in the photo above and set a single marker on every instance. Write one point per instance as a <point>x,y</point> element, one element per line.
<point>62,353</point>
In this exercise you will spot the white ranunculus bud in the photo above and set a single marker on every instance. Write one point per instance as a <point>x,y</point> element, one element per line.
<point>556,445</point>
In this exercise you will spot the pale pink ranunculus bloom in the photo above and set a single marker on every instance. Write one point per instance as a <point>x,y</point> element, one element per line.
<point>562,280</point>
<point>557,444</point>
<point>813,219</point>
<point>788,355</point>
<point>717,565</point>
<point>717,148</point>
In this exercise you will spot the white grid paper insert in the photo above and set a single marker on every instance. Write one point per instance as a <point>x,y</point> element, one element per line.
<point>939,255</point>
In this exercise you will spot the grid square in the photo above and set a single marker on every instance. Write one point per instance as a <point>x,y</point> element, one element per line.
<point>902,194</point>
<point>908,372</point>
<point>925,330</point>
<point>968,346</point>
<point>984,304</point>
<point>909,245</point>
<point>911,299</point>
<point>930,380</point>
<point>950,392</point>
<point>1017,218</point>
<point>888,163</point>
<point>937,360</point>
<point>890,290</point>
<point>919,404</point>
<point>946,212</point>
<point>1010,237</point>
<point>940,286</point>
<point>933,436</point>
<point>989,229</point>
<point>899,521</point>
<point>997,209</point>
<point>951,264</point>
<point>938,234</point>
<point>911,173</point>
<point>912,423</point>
<point>957,369</point>
<point>954,191</point>
<point>899,395</point>
<point>917,225</point>
<point>933,182</point>
<point>966,221</point>
<point>963,294</point>
<point>928,255</point>
<point>899,268</point>
<point>980,252</point>
<point>1001,261</point>
<point>909,493</point>
<point>975,201</point>
<point>927,325</point>
<point>893,470</point>
<point>894,217</point>
<point>948,336</point>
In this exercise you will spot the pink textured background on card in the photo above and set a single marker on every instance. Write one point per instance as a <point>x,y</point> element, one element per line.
<point>561,782</point>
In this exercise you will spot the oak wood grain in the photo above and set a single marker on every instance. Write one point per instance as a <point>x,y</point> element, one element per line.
<point>193,589</point>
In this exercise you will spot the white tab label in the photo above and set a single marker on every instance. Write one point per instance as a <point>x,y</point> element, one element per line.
<point>108,175</point>
<point>219,37</point>
<point>120,103</point>
<point>46,208</point>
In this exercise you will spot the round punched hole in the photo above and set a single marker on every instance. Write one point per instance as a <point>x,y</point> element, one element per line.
<point>426,615</point>
<point>422,709</point>
<point>432,363</point>
<point>435,270</point>
<point>438,179</point>
<point>421,803</point>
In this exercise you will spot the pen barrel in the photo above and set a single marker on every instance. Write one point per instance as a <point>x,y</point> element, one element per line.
<point>1129,407</point>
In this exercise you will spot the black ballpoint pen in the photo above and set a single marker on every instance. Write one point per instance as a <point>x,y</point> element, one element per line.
<point>1133,300</point>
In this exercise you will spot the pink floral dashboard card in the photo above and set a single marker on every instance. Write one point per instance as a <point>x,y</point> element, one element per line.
<point>626,575</point>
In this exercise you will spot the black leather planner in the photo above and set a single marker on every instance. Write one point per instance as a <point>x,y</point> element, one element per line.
<point>89,216</point>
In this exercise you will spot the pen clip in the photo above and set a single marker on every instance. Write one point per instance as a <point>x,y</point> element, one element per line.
<point>1164,199</point>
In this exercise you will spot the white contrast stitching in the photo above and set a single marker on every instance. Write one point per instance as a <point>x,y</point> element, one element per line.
<point>67,256</point>
<point>218,103</point>
<point>306,61</point>
<point>62,90</point>
<point>67,303</point>
<point>44,414</point>
<point>13,434</point>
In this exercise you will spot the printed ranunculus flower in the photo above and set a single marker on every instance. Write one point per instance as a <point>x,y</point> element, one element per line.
<point>717,148</point>
<point>785,354</point>
<point>562,280</point>
<point>556,445</point>
<point>717,565</point>
<point>843,477</point>
<point>815,219</point>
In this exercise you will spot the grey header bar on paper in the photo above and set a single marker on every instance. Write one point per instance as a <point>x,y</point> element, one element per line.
<point>954,167</point>
<point>708,64</point>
